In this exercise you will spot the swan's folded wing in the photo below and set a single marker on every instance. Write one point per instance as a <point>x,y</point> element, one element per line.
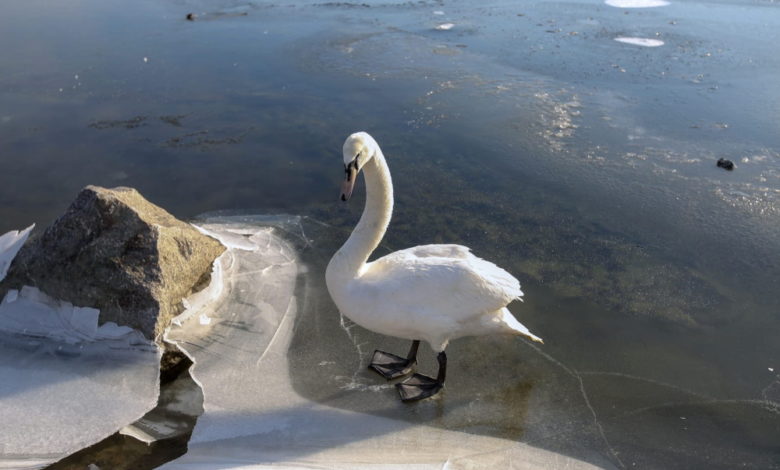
<point>456,286</point>
<point>496,279</point>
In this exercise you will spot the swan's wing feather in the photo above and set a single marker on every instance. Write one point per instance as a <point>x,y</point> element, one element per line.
<point>438,251</point>
<point>504,284</point>
<point>460,285</point>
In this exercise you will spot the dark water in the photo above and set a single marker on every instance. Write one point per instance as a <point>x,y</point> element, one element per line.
<point>584,166</point>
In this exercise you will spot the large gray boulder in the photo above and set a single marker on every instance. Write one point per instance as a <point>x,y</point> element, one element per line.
<point>115,251</point>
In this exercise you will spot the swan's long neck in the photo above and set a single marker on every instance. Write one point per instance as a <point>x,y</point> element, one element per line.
<point>352,256</point>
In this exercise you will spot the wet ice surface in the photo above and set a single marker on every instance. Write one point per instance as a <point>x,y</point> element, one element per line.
<point>285,381</point>
<point>286,384</point>
<point>585,166</point>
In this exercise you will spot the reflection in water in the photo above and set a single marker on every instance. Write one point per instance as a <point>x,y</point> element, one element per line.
<point>586,166</point>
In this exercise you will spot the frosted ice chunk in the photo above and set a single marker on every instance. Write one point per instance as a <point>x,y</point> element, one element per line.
<point>645,42</point>
<point>10,243</point>
<point>445,26</point>
<point>30,312</point>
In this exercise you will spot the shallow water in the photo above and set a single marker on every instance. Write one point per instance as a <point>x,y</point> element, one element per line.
<point>583,165</point>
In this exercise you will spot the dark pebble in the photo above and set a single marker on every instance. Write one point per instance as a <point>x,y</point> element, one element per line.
<point>726,164</point>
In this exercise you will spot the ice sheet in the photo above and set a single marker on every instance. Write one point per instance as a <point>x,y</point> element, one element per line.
<point>10,243</point>
<point>256,416</point>
<point>57,398</point>
<point>65,382</point>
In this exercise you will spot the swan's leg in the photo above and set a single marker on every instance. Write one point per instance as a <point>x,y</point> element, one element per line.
<point>391,366</point>
<point>420,386</point>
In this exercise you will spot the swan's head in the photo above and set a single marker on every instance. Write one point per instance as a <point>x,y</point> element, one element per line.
<point>359,148</point>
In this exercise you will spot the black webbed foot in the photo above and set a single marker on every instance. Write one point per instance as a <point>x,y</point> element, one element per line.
<point>391,366</point>
<point>418,387</point>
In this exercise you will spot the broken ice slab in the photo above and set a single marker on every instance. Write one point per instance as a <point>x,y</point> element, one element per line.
<point>258,412</point>
<point>10,243</point>
<point>32,313</point>
<point>65,382</point>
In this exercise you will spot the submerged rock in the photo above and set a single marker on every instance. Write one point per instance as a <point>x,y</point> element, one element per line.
<point>115,251</point>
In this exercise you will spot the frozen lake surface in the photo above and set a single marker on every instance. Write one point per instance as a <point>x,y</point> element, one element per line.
<point>582,164</point>
<point>259,413</point>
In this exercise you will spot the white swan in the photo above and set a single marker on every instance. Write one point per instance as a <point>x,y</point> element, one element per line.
<point>434,293</point>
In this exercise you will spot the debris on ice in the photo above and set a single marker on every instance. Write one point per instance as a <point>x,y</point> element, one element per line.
<point>644,42</point>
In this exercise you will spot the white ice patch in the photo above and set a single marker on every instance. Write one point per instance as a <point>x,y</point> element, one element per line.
<point>254,418</point>
<point>636,3</point>
<point>66,383</point>
<point>10,244</point>
<point>445,26</point>
<point>645,42</point>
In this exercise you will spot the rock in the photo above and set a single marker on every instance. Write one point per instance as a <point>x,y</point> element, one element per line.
<point>725,164</point>
<point>115,251</point>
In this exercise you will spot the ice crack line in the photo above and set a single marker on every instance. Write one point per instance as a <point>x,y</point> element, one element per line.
<point>769,406</point>
<point>287,317</point>
<point>645,379</point>
<point>771,403</point>
<point>584,393</point>
<point>358,345</point>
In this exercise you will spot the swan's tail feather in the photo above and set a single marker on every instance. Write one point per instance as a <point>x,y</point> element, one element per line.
<point>516,327</point>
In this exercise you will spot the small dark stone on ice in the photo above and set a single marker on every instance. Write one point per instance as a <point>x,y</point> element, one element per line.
<point>191,16</point>
<point>726,164</point>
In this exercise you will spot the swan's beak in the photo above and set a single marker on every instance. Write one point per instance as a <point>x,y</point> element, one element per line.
<point>349,184</point>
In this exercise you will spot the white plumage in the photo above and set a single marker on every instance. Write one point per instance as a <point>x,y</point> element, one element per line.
<point>434,293</point>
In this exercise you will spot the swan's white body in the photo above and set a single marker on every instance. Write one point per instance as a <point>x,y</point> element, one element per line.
<point>434,293</point>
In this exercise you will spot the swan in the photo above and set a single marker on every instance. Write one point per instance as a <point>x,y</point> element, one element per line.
<point>434,293</point>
